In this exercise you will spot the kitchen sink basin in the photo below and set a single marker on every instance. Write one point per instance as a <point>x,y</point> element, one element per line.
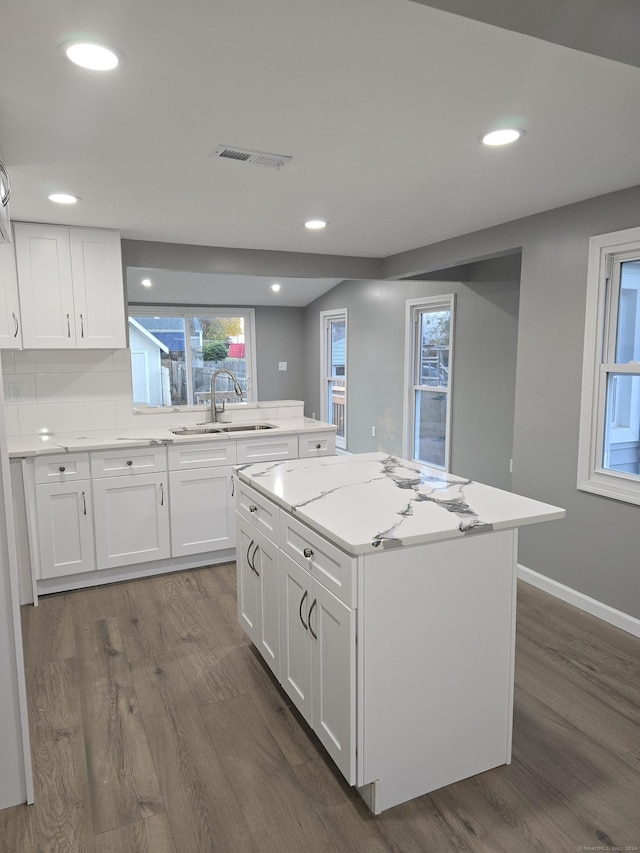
<point>218,428</point>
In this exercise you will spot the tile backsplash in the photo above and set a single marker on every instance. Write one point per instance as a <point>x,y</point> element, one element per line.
<point>62,390</point>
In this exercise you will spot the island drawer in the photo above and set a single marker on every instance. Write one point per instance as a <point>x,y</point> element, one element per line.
<point>61,468</point>
<point>132,460</point>
<point>257,509</point>
<point>325,561</point>
<point>202,454</point>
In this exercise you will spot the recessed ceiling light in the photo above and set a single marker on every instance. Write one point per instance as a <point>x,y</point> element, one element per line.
<point>146,282</point>
<point>275,287</point>
<point>96,57</point>
<point>63,198</point>
<point>501,137</point>
<point>315,224</point>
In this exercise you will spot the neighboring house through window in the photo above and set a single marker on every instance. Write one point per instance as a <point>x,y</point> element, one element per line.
<point>609,452</point>
<point>428,374</point>
<point>333,337</point>
<point>174,354</point>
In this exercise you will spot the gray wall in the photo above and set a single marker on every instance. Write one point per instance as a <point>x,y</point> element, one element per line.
<point>485,356</point>
<point>279,337</point>
<point>596,548</point>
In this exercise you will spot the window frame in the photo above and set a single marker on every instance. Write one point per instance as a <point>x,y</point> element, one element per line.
<point>605,252</point>
<point>248,314</point>
<point>413,309</point>
<point>326,317</point>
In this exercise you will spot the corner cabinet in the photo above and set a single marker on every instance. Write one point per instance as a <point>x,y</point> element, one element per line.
<point>71,287</point>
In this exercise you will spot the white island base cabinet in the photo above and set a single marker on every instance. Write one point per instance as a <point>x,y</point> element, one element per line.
<point>407,676</point>
<point>436,642</point>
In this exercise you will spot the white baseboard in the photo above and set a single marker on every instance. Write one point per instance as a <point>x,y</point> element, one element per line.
<point>596,608</point>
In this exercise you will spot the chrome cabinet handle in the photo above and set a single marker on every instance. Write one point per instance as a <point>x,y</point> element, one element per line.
<point>15,320</point>
<point>4,201</point>
<point>68,327</point>
<point>253,508</point>
<point>308,552</point>
<point>84,504</point>
<point>318,446</point>
<point>129,461</point>
<point>161,494</point>
<point>253,560</point>
<point>62,469</point>
<point>313,633</point>
<point>249,557</point>
<point>233,487</point>
<point>304,624</point>
<point>81,326</point>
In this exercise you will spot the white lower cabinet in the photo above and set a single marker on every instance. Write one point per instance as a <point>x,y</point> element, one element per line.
<point>318,656</point>
<point>131,519</point>
<point>258,596</point>
<point>65,528</point>
<point>302,630</point>
<point>202,512</point>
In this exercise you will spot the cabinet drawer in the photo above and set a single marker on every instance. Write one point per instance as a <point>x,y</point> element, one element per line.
<point>257,509</point>
<point>203,454</point>
<point>265,449</point>
<point>132,460</point>
<point>61,467</point>
<point>327,563</point>
<point>316,444</point>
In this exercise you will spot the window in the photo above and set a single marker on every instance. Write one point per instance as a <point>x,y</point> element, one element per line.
<point>428,369</point>
<point>333,406</point>
<point>609,452</point>
<point>174,354</point>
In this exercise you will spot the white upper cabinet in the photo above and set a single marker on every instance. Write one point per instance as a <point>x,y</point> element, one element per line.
<point>10,325</point>
<point>70,285</point>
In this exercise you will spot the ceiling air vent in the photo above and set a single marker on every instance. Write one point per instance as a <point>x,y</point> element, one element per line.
<point>245,155</point>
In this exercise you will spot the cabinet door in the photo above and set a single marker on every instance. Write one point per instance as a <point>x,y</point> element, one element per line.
<point>248,581</point>
<point>65,528</point>
<point>131,520</point>
<point>295,643</point>
<point>202,512</point>
<point>43,260</point>
<point>10,326</point>
<point>98,291</point>
<point>264,559</point>
<point>332,627</point>
<point>258,592</point>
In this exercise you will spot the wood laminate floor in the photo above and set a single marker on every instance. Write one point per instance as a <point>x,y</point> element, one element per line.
<point>157,729</point>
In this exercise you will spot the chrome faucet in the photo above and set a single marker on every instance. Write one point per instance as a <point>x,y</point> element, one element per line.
<point>236,387</point>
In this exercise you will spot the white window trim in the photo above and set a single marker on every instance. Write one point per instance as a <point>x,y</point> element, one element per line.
<point>592,477</point>
<point>325,414</point>
<point>249,314</point>
<point>412,307</point>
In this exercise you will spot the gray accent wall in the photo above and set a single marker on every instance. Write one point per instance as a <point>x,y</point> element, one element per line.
<point>596,549</point>
<point>484,370</point>
<point>279,337</point>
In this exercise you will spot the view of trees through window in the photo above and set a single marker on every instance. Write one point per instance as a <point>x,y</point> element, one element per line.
<point>174,356</point>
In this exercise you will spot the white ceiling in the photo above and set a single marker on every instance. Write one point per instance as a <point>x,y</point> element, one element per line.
<point>379,102</point>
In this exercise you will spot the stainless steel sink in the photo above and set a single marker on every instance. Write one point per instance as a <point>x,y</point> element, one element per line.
<point>218,428</point>
<point>202,430</point>
<point>244,427</point>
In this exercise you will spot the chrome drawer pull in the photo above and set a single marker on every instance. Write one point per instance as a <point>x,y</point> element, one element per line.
<point>62,469</point>
<point>129,461</point>
<point>308,552</point>
<point>253,508</point>
<point>318,446</point>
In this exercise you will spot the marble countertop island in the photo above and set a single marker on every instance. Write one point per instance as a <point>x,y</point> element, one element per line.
<point>370,501</point>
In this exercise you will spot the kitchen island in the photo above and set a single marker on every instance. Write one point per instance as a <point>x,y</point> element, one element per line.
<point>382,595</point>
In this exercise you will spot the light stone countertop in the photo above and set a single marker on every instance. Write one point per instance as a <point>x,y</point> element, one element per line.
<point>369,501</point>
<point>111,439</point>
